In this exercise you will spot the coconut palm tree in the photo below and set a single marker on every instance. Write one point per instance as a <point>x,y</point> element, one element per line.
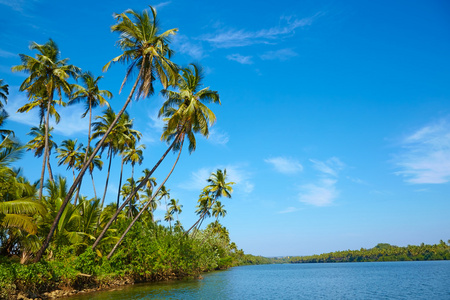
<point>95,163</point>
<point>69,154</point>
<point>4,92</point>
<point>175,207</point>
<point>134,155</point>
<point>115,139</point>
<point>168,217</point>
<point>4,132</point>
<point>217,187</point>
<point>92,97</point>
<point>47,74</point>
<point>185,114</point>
<point>37,144</point>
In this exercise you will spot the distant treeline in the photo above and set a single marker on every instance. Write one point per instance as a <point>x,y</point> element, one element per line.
<point>381,252</point>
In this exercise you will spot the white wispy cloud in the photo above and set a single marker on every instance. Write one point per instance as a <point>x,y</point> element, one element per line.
<point>282,54</point>
<point>70,124</point>
<point>218,137</point>
<point>161,5</point>
<point>184,45</point>
<point>238,38</point>
<point>328,167</point>
<point>285,165</point>
<point>322,193</point>
<point>4,53</point>
<point>425,155</point>
<point>289,210</point>
<point>235,173</point>
<point>245,60</point>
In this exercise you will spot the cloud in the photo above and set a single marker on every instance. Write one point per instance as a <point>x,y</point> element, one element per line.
<point>239,38</point>
<point>425,155</point>
<point>322,193</point>
<point>70,124</point>
<point>184,45</point>
<point>282,55</point>
<point>6,54</point>
<point>217,137</point>
<point>235,173</point>
<point>245,60</point>
<point>289,210</point>
<point>285,165</point>
<point>328,167</point>
<point>161,5</point>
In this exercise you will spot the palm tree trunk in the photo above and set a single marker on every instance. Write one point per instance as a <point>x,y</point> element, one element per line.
<point>143,182</point>
<point>145,207</point>
<point>107,176</point>
<point>93,186</point>
<point>85,167</point>
<point>201,218</point>
<point>120,182</point>
<point>49,168</point>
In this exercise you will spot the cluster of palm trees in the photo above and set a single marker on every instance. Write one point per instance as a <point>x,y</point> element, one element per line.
<point>66,218</point>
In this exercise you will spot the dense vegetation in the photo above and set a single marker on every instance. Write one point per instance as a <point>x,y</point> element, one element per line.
<point>52,236</point>
<point>381,252</point>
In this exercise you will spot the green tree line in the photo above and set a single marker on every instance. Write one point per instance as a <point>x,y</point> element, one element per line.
<point>381,252</point>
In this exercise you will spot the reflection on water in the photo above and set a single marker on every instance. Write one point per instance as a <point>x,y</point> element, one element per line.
<point>381,280</point>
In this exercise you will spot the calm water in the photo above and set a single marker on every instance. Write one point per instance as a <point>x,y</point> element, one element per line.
<point>381,280</point>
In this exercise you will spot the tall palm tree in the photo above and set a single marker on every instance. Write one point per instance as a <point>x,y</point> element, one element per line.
<point>185,114</point>
<point>175,207</point>
<point>168,217</point>
<point>37,144</point>
<point>134,155</point>
<point>95,163</point>
<point>92,97</point>
<point>113,140</point>
<point>4,92</point>
<point>46,73</point>
<point>217,187</point>
<point>69,154</point>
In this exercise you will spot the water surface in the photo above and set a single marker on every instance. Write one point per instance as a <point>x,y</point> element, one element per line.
<point>376,280</point>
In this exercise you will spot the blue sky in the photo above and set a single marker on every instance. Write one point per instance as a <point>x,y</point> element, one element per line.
<point>334,123</point>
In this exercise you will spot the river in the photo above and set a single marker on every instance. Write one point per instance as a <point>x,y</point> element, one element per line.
<point>375,280</point>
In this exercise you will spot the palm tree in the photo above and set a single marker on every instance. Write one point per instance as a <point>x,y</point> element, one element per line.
<point>112,140</point>
<point>168,217</point>
<point>217,187</point>
<point>47,73</point>
<point>4,92</point>
<point>130,137</point>
<point>134,155</point>
<point>127,188</point>
<point>175,207</point>
<point>69,154</point>
<point>218,210</point>
<point>37,144</point>
<point>92,97</point>
<point>95,163</point>
<point>190,116</point>
<point>4,132</point>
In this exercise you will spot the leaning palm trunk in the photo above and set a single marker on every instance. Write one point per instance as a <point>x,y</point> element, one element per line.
<point>143,182</point>
<point>120,182</point>
<point>145,207</point>
<point>83,169</point>
<point>202,217</point>
<point>107,177</point>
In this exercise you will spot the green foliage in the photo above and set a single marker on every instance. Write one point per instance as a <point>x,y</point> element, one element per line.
<point>381,252</point>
